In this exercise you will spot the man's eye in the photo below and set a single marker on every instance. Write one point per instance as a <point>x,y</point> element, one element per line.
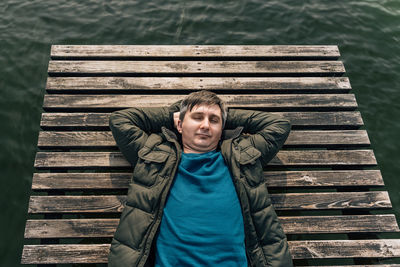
<point>214,119</point>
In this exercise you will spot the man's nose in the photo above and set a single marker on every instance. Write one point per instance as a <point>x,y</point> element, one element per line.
<point>205,124</point>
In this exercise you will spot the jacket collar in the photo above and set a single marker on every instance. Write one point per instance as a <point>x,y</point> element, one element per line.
<point>230,134</point>
<point>169,135</point>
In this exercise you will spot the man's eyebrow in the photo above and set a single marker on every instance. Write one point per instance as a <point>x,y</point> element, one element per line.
<point>197,113</point>
<point>203,113</point>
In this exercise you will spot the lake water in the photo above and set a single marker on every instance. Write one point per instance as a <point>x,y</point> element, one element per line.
<point>367,33</point>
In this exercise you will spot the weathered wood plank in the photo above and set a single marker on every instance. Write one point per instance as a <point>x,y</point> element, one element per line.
<point>324,249</point>
<point>99,139</point>
<point>65,254</point>
<point>76,120</point>
<point>337,178</point>
<point>84,228</point>
<point>312,119</point>
<point>336,200</point>
<point>289,201</point>
<point>287,101</point>
<point>60,181</point>
<point>266,84</point>
<point>196,67</point>
<point>323,158</point>
<point>312,249</point>
<point>283,158</point>
<point>104,51</point>
<point>327,138</point>
<point>70,228</point>
<point>339,224</point>
<point>76,204</point>
<point>94,139</point>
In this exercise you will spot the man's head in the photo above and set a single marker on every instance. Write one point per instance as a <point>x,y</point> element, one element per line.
<point>201,120</point>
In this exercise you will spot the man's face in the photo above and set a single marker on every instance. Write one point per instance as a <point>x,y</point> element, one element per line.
<point>201,129</point>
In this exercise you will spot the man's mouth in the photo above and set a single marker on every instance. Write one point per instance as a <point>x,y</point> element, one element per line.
<point>204,135</point>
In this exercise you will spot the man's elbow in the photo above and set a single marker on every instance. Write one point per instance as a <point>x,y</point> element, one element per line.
<point>118,121</point>
<point>113,119</point>
<point>284,125</point>
<point>287,125</point>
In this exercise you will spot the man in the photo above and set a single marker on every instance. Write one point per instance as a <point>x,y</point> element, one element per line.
<point>207,205</point>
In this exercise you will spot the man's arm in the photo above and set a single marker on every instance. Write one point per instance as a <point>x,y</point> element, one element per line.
<point>268,132</point>
<point>131,127</point>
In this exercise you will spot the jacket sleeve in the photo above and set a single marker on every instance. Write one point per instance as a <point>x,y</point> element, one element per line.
<point>131,127</point>
<point>268,132</point>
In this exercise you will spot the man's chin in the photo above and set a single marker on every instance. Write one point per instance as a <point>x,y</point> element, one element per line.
<point>203,148</point>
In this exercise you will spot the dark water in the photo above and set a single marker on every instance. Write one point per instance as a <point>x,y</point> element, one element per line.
<point>367,32</point>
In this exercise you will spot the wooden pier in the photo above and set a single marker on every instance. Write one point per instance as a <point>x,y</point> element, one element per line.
<point>325,183</point>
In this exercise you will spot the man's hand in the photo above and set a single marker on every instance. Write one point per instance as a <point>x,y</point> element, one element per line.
<point>176,118</point>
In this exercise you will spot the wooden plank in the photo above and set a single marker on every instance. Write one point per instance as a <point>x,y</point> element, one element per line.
<point>326,249</point>
<point>328,138</point>
<point>339,224</point>
<point>70,181</point>
<point>85,228</point>
<point>65,254</point>
<point>92,139</point>
<point>195,67</point>
<point>76,120</point>
<point>71,228</point>
<point>311,249</point>
<point>100,139</point>
<point>323,158</point>
<point>283,158</point>
<point>336,200</point>
<point>305,119</point>
<point>60,84</point>
<point>76,204</point>
<point>289,201</point>
<point>271,51</point>
<point>337,178</point>
<point>287,101</point>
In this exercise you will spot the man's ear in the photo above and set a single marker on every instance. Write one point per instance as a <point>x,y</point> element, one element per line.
<point>179,126</point>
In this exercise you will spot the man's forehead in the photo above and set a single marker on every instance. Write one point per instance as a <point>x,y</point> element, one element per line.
<point>207,109</point>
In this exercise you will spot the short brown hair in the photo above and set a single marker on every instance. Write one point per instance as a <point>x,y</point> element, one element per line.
<point>200,98</point>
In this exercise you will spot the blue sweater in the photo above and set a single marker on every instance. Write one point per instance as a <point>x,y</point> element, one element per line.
<point>202,223</point>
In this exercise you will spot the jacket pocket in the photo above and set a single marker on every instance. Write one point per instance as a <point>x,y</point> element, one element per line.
<point>249,155</point>
<point>250,166</point>
<point>148,155</point>
<point>150,166</point>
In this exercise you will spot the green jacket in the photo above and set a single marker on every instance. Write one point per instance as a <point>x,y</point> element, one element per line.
<point>146,138</point>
